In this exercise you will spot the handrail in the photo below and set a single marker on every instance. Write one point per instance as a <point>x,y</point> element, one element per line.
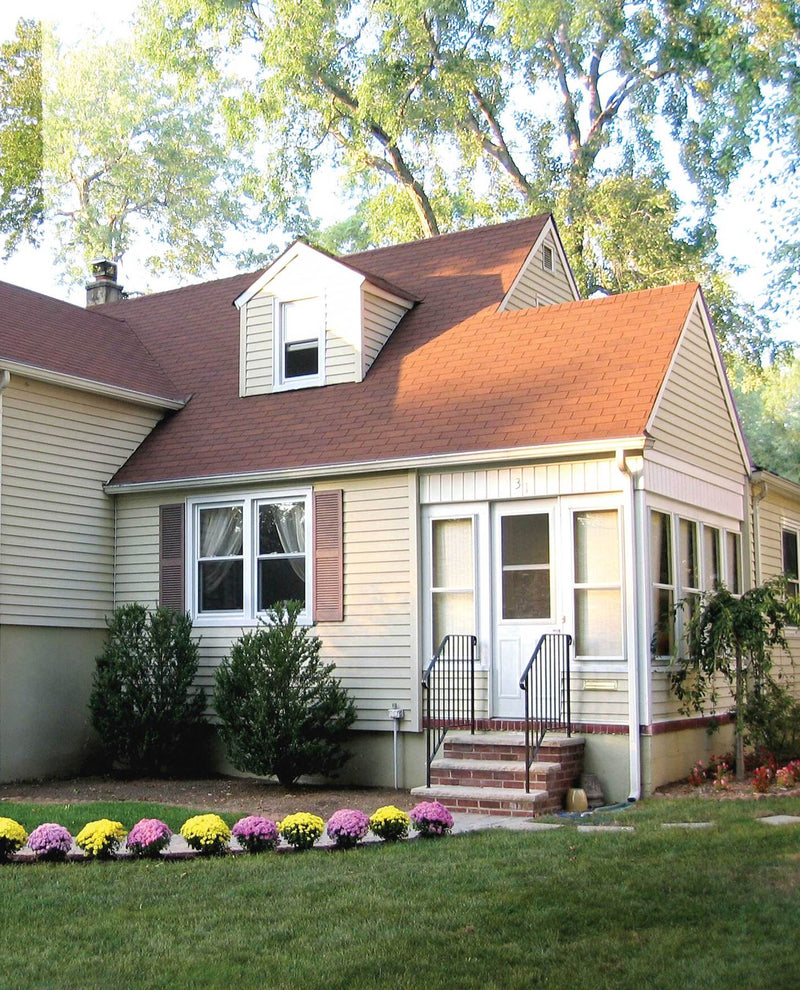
<point>449,683</point>
<point>547,675</point>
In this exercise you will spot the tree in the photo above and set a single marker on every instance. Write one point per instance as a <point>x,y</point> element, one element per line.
<point>21,146</point>
<point>731,640</point>
<point>444,113</point>
<point>283,712</point>
<point>769,405</point>
<point>142,704</point>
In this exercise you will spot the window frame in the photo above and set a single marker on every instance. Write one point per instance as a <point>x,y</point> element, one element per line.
<point>792,581</point>
<point>617,586</point>
<point>280,380</point>
<point>250,503</point>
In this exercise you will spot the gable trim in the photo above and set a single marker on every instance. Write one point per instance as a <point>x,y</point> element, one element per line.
<point>90,385</point>
<point>549,228</point>
<point>700,307</point>
<point>512,455</point>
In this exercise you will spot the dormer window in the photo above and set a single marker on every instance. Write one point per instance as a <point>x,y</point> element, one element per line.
<point>300,342</point>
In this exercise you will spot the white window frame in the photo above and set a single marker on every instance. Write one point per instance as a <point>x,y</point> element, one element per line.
<point>618,585</point>
<point>280,382</point>
<point>479,514</point>
<point>725,528</point>
<point>791,529</point>
<point>250,503</point>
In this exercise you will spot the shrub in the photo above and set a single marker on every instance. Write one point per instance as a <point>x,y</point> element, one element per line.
<point>389,823</point>
<point>148,837</point>
<point>50,841</point>
<point>208,834</point>
<point>12,838</point>
<point>301,830</point>
<point>762,779</point>
<point>431,818</point>
<point>347,827</point>
<point>698,774</point>
<point>256,834</point>
<point>100,839</point>
<point>773,722</point>
<point>283,712</point>
<point>784,778</point>
<point>141,704</point>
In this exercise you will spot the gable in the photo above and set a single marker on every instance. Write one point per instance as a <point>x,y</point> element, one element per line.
<point>694,419</point>
<point>545,277</point>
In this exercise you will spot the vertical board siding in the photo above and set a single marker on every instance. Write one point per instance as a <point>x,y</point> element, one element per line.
<point>537,286</point>
<point>257,349</point>
<point>380,317</point>
<point>374,647</point>
<point>59,447</point>
<point>693,422</point>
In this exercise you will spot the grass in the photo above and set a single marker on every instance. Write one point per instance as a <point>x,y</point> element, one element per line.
<point>653,908</point>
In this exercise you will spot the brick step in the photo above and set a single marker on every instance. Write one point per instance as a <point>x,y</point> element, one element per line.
<point>490,800</point>
<point>492,773</point>
<point>507,746</point>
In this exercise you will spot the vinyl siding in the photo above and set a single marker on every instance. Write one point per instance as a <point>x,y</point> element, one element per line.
<point>538,287</point>
<point>692,421</point>
<point>380,317</point>
<point>374,649</point>
<point>257,322</point>
<point>59,447</point>
<point>342,334</point>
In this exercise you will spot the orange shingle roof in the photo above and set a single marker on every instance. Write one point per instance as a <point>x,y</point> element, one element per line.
<point>455,376</point>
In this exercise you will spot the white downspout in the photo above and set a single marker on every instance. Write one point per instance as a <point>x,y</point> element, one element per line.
<point>633,467</point>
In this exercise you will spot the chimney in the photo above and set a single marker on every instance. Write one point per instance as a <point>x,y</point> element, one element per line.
<point>105,288</point>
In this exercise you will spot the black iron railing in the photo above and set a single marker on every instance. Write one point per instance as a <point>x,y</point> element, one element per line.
<point>545,684</point>
<point>449,686</point>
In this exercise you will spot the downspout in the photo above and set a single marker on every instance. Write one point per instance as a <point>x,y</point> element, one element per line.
<point>633,467</point>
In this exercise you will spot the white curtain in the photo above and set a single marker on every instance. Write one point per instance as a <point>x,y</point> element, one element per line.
<point>290,523</point>
<point>220,536</point>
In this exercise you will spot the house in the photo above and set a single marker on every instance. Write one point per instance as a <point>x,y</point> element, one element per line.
<point>425,440</point>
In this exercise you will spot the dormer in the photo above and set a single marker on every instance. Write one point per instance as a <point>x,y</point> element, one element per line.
<point>545,277</point>
<point>310,320</point>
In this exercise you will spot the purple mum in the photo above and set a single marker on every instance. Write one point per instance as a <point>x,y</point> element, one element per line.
<point>50,841</point>
<point>256,834</point>
<point>148,837</point>
<point>347,827</point>
<point>431,818</point>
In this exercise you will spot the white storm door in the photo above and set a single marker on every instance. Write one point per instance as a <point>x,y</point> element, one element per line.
<point>524,596</point>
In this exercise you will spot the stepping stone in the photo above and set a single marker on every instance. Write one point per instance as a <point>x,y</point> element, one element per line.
<point>780,820</point>
<point>606,828</point>
<point>689,825</point>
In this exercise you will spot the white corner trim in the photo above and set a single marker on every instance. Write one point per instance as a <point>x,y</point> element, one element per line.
<point>90,385</point>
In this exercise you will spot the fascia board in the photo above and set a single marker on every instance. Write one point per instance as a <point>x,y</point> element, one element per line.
<point>90,385</point>
<point>295,251</point>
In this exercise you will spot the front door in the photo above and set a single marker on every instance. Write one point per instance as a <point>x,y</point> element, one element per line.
<point>524,583</point>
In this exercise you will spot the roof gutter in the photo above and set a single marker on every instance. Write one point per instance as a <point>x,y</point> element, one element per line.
<point>514,455</point>
<point>95,387</point>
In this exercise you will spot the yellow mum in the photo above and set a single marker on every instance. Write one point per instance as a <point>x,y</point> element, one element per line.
<point>302,829</point>
<point>12,837</point>
<point>389,823</point>
<point>208,834</point>
<point>101,838</point>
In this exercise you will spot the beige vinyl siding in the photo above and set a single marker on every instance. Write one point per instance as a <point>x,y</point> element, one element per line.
<point>257,324</point>
<point>538,287</point>
<point>693,422</point>
<point>374,648</point>
<point>380,317</point>
<point>593,704</point>
<point>342,317</point>
<point>59,446</point>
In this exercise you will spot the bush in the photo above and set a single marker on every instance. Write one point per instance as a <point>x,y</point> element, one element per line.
<point>283,712</point>
<point>101,839</point>
<point>208,834</point>
<point>773,722</point>
<point>141,704</point>
<point>389,823</point>
<point>302,829</point>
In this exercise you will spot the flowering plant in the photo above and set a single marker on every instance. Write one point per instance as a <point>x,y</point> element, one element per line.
<point>389,823</point>
<point>256,834</point>
<point>50,841</point>
<point>12,838</point>
<point>431,818</point>
<point>148,837</point>
<point>721,776</point>
<point>794,769</point>
<point>762,778</point>
<point>784,777</point>
<point>301,830</point>
<point>101,838</point>
<point>347,827</point>
<point>697,775</point>
<point>208,834</point>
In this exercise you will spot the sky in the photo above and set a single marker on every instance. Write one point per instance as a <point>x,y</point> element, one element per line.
<point>742,229</point>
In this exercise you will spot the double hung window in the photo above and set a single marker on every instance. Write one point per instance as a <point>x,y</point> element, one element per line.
<point>248,554</point>
<point>300,342</point>
<point>790,560</point>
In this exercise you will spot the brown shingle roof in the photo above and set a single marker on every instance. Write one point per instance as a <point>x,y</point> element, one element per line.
<point>44,333</point>
<point>455,376</point>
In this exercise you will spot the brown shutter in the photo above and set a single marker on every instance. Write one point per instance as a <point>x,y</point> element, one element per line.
<point>171,558</point>
<point>328,557</point>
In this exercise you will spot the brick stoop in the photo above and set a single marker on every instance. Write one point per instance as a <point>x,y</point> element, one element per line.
<point>485,773</point>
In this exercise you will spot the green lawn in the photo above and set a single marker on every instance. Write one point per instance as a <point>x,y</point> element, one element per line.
<point>654,908</point>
